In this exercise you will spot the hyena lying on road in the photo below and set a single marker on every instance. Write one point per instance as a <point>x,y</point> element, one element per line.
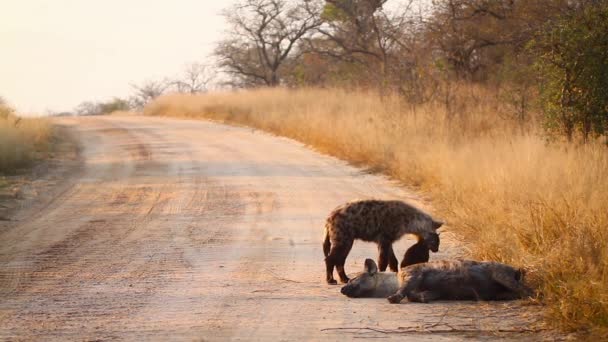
<point>382,222</point>
<point>481,284</point>
<point>460,280</point>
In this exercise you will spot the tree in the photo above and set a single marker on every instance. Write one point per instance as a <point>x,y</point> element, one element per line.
<point>573,58</point>
<point>100,108</point>
<point>147,91</point>
<point>195,79</point>
<point>263,35</point>
<point>87,108</point>
<point>115,105</point>
<point>472,36</point>
<point>355,30</point>
<point>371,45</point>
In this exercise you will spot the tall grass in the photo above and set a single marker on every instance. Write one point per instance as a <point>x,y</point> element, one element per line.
<point>22,140</point>
<point>510,195</point>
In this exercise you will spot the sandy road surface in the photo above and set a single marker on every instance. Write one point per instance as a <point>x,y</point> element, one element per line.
<point>189,230</point>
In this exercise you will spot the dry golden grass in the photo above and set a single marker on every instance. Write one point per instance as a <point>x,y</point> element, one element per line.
<point>509,194</point>
<point>22,140</point>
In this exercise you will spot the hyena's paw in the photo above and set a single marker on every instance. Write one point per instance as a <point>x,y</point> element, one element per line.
<point>332,282</point>
<point>344,280</point>
<point>395,299</point>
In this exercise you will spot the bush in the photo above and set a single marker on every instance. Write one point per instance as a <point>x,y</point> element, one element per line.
<point>21,140</point>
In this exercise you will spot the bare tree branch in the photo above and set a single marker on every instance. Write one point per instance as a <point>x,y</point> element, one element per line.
<point>195,79</point>
<point>264,34</point>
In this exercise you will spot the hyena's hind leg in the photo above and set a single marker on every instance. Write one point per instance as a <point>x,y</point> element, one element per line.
<point>512,281</point>
<point>326,243</point>
<point>337,257</point>
<point>346,247</point>
<point>393,263</point>
<point>386,257</point>
<point>329,262</point>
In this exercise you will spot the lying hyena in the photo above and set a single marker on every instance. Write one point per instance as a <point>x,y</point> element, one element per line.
<point>383,222</point>
<point>371,283</point>
<point>460,280</point>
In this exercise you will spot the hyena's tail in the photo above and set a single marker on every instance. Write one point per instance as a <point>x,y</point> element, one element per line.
<point>326,242</point>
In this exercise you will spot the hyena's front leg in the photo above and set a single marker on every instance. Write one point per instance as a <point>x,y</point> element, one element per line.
<point>398,296</point>
<point>411,283</point>
<point>329,271</point>
<point>385,251</point>
<point>393,263</point>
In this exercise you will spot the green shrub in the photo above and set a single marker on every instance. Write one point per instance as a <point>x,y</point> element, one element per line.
<point>572,57</point>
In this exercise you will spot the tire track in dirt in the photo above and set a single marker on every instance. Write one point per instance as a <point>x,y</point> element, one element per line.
<point>77,256</point>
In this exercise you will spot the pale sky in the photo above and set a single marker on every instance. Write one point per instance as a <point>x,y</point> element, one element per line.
<point>55,54</point>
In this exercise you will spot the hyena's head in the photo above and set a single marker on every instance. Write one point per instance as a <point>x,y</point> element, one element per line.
<point>431,240</point>
<point>365,283</point>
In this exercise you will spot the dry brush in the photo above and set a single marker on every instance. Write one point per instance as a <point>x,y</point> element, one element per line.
<point>22,140</point>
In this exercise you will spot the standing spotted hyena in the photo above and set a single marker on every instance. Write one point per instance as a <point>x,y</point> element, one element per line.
<point>382,222</point>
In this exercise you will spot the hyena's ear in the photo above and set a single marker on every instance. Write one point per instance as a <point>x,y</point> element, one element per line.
<point>436,224</point>
<point>370,266</point>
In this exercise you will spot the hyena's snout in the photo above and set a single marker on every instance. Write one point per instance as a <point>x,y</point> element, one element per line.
<point>350,290</point>
<point>345,290</point>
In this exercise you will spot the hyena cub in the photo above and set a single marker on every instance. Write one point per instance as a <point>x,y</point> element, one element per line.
<point>382,222</point>
<point>419,252</point>
<point>460,280</point>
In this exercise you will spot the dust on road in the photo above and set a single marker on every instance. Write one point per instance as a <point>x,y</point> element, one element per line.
<point>190,230</point>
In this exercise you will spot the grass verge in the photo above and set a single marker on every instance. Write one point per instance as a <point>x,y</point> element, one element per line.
<point>22,141</point>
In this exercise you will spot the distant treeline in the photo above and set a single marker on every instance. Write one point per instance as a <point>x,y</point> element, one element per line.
<point>546,61</point>
<point>541,56</point>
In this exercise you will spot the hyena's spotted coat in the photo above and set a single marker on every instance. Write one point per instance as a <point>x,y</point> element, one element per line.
<point>382,222</point>
<point>460,280</point>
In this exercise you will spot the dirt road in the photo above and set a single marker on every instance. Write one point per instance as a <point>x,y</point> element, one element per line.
<point>189,230</point>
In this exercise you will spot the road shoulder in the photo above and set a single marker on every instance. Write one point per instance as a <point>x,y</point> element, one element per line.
<point>33,189</point>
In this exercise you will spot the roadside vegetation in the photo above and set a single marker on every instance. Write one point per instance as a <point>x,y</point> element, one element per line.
<point>22,140</point>
<point>509,194</point>
<point>498,110</point>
